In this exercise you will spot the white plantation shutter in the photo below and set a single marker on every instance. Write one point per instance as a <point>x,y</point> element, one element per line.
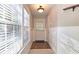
<point>9,28</point>
<point>11,32</point>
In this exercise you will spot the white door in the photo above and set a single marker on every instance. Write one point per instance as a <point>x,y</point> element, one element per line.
<point>40,30</point>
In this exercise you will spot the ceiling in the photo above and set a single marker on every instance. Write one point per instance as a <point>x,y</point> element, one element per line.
<point>33,8</point>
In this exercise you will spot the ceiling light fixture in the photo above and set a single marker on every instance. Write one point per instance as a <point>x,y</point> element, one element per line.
<point>40,9</point>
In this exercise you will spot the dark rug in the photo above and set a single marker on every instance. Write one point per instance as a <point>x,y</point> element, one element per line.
<point>40,45</point>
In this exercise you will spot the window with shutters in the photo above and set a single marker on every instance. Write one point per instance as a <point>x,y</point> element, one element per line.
<point>11,18</point>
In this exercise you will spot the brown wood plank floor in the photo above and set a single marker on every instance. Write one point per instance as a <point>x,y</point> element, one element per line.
<point>40,45</point>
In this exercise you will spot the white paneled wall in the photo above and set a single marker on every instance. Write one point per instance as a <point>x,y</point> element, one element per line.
<point>63,29</point>
<point>68,39</point>
<point>68,30</point>
<point>52,28</point>
<point>53,39</point>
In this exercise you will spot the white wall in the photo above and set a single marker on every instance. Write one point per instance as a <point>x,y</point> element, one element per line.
<point>63,29</point>
<point>68,30</point>
<point>52,28</point>
<point>25,49</point>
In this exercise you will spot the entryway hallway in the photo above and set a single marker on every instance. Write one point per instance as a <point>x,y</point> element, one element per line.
<point>39,28</point>
<point>56,24</point>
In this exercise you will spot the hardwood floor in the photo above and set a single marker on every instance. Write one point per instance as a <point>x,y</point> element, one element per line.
<point>40,45</point>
